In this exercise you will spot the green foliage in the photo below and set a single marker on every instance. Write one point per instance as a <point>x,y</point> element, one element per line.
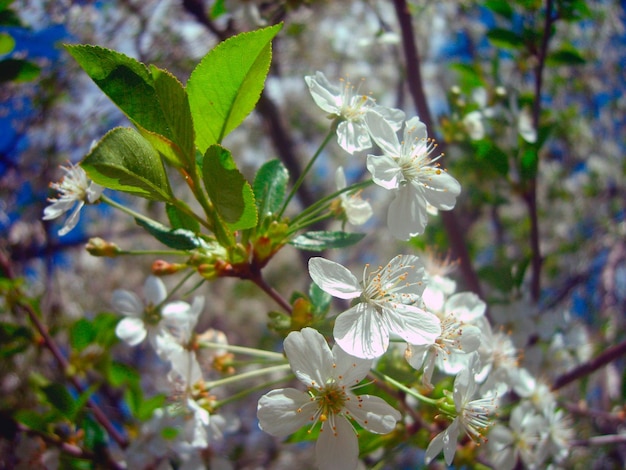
<point>7,43</point>
<point>181,219</point>
<point>123,160</point>
<point>178,239</point>
<point>324,240</point>
<point>18,70</point>
<point>14,339</point>
<point>228,189</point>
<point>492,156</point>
<point>270,187</point>
<point>505,38</point>
<point>151,98</point>
<point>224,88</point>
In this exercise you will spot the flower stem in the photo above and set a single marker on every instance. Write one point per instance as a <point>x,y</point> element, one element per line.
<point>404,388</point>
<point>247,375</point>
<point>300,179</point>
<point>127,210</point>
<point>239,395</point>
<point>243,350</point>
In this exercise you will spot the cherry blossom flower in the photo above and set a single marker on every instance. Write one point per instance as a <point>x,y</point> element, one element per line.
<point>347,104</point>
<point>472,414</point>
<point>407,169</point>
<point>356,209</point>
<point>74,191</point>
<point>145,319</point>
<point>330,377</point>
<point>518,440</point>
<point>386,297</point>
<point>450,352</point>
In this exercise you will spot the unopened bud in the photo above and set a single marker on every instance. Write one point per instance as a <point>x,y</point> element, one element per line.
<point>99,247</point>
<point>163,268</point>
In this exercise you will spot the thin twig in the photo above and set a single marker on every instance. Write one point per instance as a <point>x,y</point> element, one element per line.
<point>416,87</point>
<point>62,362</point>
<point>588,367</point>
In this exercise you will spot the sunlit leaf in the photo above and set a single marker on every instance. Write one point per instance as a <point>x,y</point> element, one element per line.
<point>324,240</point>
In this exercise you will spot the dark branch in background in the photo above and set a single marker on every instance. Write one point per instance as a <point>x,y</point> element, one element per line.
<point>609,355</point>
<point>21,308</point>
<point>416,87</point>
<point>530,192</point>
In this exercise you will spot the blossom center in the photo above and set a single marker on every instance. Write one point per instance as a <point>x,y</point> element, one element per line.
<point>417,165</point>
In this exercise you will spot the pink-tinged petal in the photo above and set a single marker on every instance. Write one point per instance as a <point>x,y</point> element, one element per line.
<point>412,324</point>
<point>385,171</point>
<point>353,137</point>
<point>382,133</point>
<point>282,412</point>
<point>337,448</point>
<point>360,332</point>
<point>466,306</point>
<point>373,413</point>
<point>154,290</point>
<point>334,279</point>
<point>131,330</point>
<point>309,356</point>
<point>127,303</point>
<point>349,370</point>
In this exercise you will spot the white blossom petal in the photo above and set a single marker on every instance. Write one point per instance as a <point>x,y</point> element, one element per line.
<point>337,449</point>
<point>385,171</point>
<point>349,369</point>
<point>333,278</point>
<point>373,413</point>
<point>127,303</point>
<point>309,355</point>
<point>412,324</point>
<point>382,133</point>
<point>154,290</point>
<point>131,330</point>
<point>360,332</point>
<point>407,217</point>
<point>278,411</point>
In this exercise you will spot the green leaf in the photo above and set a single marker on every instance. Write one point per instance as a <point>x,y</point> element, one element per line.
<point>499,277</point>
<point>175,106</point>
<point>500,7</point>
<point>270,187</point>
<point>228,189</point>
<point>181,219</point>
<point>226,85</point>
<point>120,374</point>
<point>124,161</point>
<point>324,240</point>
<point>58,396</point>
<point>565,56</point>
<point>178,239</point>
<point>82,334</point>
<point>7,43</point>
<point>14,339</point>
<point>505,38</point>
<point>152,99</point>
<point>529,163</point>
<point>104,325</point>
<point>147,407</point>
<point>218,9</point>
<point>320,300</point>
<point>492,156</point>
<point>18,70</point>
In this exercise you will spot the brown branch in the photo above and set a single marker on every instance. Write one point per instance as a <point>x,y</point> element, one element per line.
<point>62,362</point>
<point>530,192</point>
<point>609,355</point>
<point>416,88</point>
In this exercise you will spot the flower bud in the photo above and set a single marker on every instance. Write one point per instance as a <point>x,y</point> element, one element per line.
<point>99,247</point>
